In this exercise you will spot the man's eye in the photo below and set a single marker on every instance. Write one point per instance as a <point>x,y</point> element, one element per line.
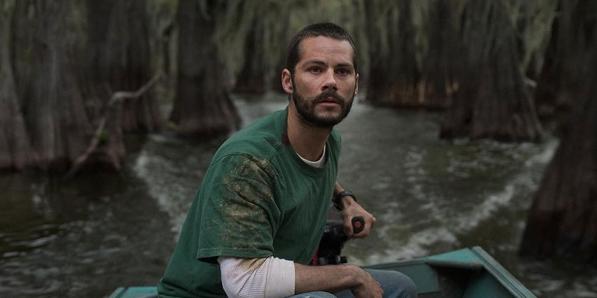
<point>343,71</point>
<point>314,69</point>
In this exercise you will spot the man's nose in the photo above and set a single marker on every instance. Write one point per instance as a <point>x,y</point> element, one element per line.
<point>329,80</point>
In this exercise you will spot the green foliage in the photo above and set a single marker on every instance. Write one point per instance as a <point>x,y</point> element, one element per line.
<point>277,21</point>
<point>375,24</point>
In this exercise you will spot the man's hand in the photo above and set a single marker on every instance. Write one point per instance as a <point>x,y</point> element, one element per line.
<point>334,278</point>
<point>351,210</point>
<point>368,287</point>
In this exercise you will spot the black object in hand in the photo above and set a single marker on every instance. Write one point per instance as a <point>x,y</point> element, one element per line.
<point>332,241</point>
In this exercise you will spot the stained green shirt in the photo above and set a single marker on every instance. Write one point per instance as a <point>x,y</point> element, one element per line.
<point>257,199</point>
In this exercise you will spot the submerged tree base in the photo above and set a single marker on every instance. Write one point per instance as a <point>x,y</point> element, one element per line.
<point>563,218</point>
<point>562,221</point>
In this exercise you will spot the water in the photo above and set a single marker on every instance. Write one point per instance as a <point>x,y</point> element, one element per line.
<point>78,238</point>
<point>85,237</point>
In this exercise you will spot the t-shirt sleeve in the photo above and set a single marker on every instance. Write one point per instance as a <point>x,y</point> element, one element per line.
<point>239,215</point>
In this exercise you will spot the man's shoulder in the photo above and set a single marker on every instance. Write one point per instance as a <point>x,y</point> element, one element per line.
<point>261,139</point>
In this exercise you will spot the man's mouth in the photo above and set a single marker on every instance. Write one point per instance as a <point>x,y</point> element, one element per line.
<point>328,99</point>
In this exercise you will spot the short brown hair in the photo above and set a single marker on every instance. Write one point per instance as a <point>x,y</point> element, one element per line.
<point>319,29</point>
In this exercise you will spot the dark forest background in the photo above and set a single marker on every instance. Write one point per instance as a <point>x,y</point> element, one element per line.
<point>76,77</point>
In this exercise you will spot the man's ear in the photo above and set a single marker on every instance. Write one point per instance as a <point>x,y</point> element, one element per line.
<point>356,88</point>
<point>287,81</point>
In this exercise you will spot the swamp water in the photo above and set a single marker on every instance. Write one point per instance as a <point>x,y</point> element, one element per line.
<point>85,237</point>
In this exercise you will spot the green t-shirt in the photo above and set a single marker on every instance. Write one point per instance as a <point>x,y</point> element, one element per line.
<point>257,199</point>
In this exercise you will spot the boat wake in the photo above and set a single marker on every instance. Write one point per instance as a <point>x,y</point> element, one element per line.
<point>432,220</point>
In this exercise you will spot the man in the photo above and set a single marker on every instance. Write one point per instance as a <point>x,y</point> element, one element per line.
<point>262,206</point>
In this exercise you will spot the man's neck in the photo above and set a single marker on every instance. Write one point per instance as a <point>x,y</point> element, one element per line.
<point>306,140</point>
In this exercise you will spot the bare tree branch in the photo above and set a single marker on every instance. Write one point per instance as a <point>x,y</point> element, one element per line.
<point>117,97</point>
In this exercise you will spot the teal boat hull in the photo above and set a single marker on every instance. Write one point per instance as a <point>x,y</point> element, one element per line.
<point>466,273</point>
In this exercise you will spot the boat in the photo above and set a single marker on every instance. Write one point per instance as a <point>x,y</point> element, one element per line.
<point>467,272</point>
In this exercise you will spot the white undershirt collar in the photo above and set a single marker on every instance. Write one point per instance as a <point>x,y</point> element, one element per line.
<point>316,164</point>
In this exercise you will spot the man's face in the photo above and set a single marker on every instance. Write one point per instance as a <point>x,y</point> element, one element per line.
<point>324,82</point>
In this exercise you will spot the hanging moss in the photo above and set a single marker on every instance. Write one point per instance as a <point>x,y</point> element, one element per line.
<point>276,22</point>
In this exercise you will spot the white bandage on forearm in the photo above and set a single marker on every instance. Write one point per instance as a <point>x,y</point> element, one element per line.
<point>267,277</point>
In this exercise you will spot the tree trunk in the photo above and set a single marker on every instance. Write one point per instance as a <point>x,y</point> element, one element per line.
<point>45,51</point>
<point>49,100</point>
<point>253,76</point>
<point>437,86</point>
<point>202,105</point>
<point>562,220</point>
<point>278,59</point>
<point>492,100</point>
<point>565,64</point>
<point>393,72</point>
<point>122,60</point>
<point>411,46</point>
<point>15,148</point>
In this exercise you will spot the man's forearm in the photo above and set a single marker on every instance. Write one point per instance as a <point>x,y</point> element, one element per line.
<point>270,277</point>
<point>331,278</point>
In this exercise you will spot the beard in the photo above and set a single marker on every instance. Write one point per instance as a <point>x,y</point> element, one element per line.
<point>306,108</point>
